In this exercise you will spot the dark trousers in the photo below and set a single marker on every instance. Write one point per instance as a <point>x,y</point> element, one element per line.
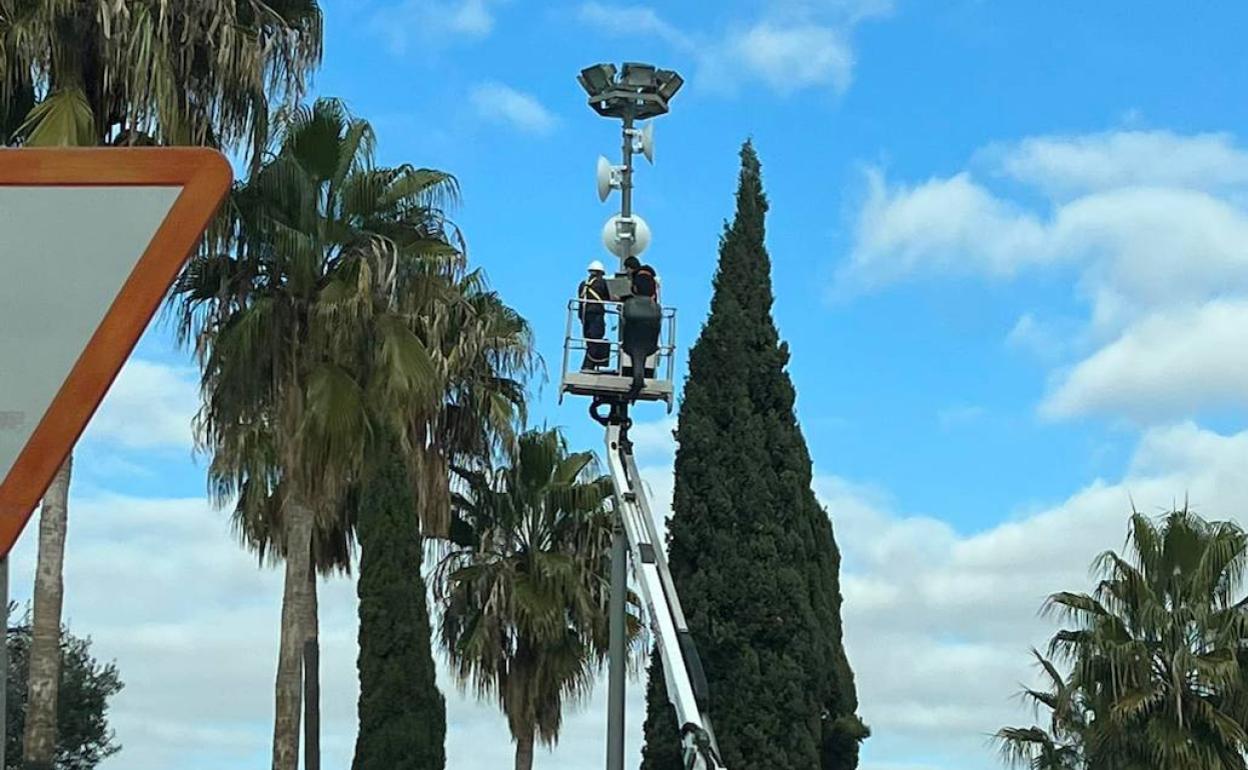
<point>594,327</point>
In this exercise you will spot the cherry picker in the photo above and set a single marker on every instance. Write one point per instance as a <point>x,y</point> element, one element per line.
<point>634,93</point>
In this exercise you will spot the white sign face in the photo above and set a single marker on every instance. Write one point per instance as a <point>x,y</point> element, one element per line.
<point>65,253</point>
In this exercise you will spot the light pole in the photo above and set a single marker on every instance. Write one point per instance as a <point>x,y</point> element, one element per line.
<point>636,92</point>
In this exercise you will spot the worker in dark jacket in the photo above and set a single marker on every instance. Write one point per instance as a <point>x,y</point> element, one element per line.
<point>642,319</point>
<point>592,293</point>
<point>643,279</point>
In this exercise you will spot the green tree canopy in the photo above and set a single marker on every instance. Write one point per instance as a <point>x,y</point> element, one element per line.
<point>1156,658</point>
<point>402,714</point>
<point>317,309</point>
<point>525,585</point>
<point>83,737</point>
<point>751,550</point>
<point>91,72</point>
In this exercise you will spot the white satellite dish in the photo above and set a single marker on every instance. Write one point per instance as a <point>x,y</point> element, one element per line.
<point>604,178</point>
<point>632,232</point>
<point>647,142</point>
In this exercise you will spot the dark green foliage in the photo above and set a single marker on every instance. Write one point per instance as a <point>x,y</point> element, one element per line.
<point>662,747</point>
<point>402,713</point>
<point>752,551</point>
<point>523,590</point>
<point>1152,664</point>
<point>83,738</point>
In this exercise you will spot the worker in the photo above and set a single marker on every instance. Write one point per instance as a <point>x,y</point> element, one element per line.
<point>592,293</point>
<point>643,279</point>
<point>642,318</point>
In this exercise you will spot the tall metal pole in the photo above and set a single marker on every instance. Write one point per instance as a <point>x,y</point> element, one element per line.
<point>617,651</point>
<point>626,178</point>
<point>619,544</point>
<point>4,659</point>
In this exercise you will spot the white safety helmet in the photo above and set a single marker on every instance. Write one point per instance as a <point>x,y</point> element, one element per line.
<point>596,267</point>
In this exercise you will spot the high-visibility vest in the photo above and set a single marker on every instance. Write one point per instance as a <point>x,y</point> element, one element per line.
<point>588,292</point>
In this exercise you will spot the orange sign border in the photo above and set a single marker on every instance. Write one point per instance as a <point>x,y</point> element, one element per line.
<point>205,177</point>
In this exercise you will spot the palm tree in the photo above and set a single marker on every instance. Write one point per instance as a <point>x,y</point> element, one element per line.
<point>483,352</point>
<point>127,72</point>
<point>309,334</point>
<point>524,587</point>
<point>1062,745</point>
<point>1156,657</point>
<point>203,72</point>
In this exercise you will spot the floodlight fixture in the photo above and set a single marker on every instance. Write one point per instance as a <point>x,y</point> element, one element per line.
<point>669,83</point>
<point>597,79</point>
<point>636,91</point>
<point>640,76</point>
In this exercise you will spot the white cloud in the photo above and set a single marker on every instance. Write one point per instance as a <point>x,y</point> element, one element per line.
<point>1152,228</point>
<point>149,406</point>
<point>654,439</point>
<point>1136,245</point>
<point>938,623</point>
<point>433,23</point>
<point>1168,363</point>
<point>502,103</point>
<point>1077,164</point>
<point>789,57</point>
<point>1153,246</point>
<point>654,447</point>
<point>632,21</point>
<point>1042,339</point>
<point>949,224</point>
<point>833,11</point>
<point>1146,244</point>
<point>164,590</point>
<point>794,46</point>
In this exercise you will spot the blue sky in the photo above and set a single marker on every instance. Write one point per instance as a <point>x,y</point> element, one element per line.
<point>1008,255</point>
<point>931,87</point>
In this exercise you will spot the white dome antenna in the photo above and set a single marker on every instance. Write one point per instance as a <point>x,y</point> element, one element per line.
<point>626,236</point>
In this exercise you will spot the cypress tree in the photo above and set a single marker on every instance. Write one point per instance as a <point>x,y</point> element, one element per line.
<point>661,751</point>
<point>751,550</point>
<point>402,713</point>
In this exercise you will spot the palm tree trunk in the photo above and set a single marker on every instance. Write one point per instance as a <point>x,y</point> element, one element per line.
<point>39,742</point>
<point>296,612</point>
<point>312,683</point>
<point>524,751</point>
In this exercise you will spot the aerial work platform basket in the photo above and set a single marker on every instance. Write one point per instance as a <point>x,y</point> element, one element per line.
<point>614,379</point>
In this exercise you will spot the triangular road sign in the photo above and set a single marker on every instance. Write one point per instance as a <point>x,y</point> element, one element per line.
<point>90,241</point>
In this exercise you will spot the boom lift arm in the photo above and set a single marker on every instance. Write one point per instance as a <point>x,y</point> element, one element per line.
<point>682,668</point>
